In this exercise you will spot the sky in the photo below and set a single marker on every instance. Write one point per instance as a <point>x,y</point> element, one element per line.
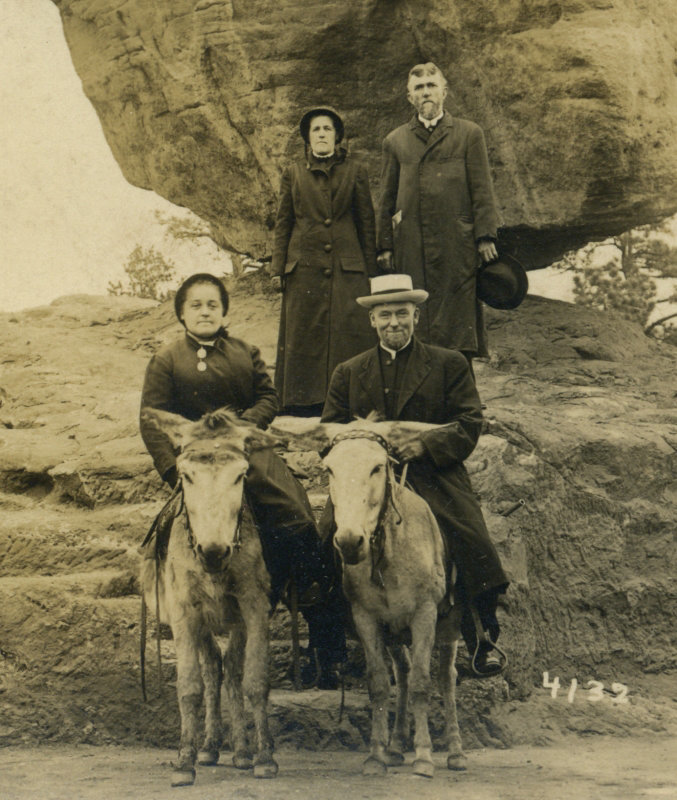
<point>69,218</point>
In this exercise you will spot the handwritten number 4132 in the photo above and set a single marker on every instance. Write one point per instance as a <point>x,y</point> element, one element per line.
<point>596,690</point>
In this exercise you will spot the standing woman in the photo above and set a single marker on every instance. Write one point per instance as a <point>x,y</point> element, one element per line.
<point>323,256</point>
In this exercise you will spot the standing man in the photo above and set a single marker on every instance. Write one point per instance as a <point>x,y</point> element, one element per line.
<point>437,214</point>
<point>405,379</point>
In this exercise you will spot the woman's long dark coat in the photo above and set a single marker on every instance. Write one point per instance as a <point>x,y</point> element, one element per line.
<point>436,202</point>
<point>325,252</point>
<point>236,378</point>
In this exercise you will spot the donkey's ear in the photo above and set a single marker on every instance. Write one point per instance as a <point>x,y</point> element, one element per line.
<point>174,426</point>
<point>329,431</point>
<point>301,432</point>
<point>399,429</point>
<point>256,439</point>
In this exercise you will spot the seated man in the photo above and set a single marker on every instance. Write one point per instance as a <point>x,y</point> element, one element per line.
<point>404,379</point>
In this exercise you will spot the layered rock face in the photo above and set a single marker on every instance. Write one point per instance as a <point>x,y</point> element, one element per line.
<point>200,101</point>
<point>581,427</point>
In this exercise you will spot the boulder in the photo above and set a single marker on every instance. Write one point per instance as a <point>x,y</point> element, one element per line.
<point>200,101</point>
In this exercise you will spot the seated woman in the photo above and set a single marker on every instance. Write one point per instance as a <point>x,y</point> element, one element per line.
<point>205,370</point>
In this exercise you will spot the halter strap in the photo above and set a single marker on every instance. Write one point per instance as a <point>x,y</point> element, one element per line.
<point>359,433</point>
<point>237,539</point>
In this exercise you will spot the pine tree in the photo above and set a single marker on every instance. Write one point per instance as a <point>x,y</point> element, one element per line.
<point>626,282</point>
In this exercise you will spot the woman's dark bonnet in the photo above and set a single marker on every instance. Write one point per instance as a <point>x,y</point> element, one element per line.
<point>321,111</point>
<point>199,277</point>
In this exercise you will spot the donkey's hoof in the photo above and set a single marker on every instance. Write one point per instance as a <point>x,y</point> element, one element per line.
<point>458,762</point>
<point>266,770</point>
<point>424,768</point>
<point>208,758</point>
<point>394,758</point>
<point>243,760</point>
<point>183,777</point>
<point>372,766</point>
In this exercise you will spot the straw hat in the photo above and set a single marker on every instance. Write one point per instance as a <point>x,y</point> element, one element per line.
<point>392,288</point>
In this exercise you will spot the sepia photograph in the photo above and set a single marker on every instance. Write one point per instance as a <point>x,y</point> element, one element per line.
<point>338,399</point>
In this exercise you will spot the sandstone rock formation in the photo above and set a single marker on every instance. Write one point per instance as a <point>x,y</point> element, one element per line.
<point>581,426</point>
<point>578,99</point>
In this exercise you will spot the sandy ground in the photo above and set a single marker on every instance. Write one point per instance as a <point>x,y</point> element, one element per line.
<point>596,768</point>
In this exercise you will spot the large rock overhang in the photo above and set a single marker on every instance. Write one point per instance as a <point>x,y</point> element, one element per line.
<point>199,101</point>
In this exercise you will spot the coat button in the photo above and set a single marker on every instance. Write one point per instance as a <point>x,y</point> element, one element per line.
<point>327,221</point>
<point>327,248</point>
<point>327,272</point>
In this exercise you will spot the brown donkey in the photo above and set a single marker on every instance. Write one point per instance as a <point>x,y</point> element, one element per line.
<point>213,581</point>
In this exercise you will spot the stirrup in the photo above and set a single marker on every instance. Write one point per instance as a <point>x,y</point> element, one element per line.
<point>483,638</point>
<point>497,665</point>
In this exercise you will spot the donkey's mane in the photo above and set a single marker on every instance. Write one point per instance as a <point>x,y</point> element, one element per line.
<point>221,452</point>
<point>211,426</point>
<point>372,416</point>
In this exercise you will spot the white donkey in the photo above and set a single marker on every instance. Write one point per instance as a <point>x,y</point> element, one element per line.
<point>214,581</point>
<point>394,578</point>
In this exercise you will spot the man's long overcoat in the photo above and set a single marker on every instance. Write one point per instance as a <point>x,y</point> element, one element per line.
<point>436,202</point>
<point>325,251</point>
<point>437,387</point>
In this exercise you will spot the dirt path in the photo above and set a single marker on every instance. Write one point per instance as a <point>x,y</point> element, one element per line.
<point>600,768</point>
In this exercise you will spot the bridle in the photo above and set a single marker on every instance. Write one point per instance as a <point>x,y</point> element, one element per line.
<point>378,535</point>
<point>237,538</point>
<point>359,433</point>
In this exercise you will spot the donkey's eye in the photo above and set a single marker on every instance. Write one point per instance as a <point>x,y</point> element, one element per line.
<point>186,477</point>
<point>378,468</point>
<point>239,478</point>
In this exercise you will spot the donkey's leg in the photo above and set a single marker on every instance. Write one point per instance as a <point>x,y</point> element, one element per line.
<point>422,641</point>
<point>256,681</point>
<point>455,758</point>
<point>210,662</point>
<point>233,661</point>
<point>379,689</point>
<point>189,693</point>
<point>400,735</point>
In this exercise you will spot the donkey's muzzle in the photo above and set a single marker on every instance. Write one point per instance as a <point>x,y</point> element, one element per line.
<point>214,559</point>
<point>353,549</point>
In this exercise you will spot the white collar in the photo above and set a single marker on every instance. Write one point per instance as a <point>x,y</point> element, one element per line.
<point>393,353</point>
<point>430,123</point>
<point>203,342</point>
